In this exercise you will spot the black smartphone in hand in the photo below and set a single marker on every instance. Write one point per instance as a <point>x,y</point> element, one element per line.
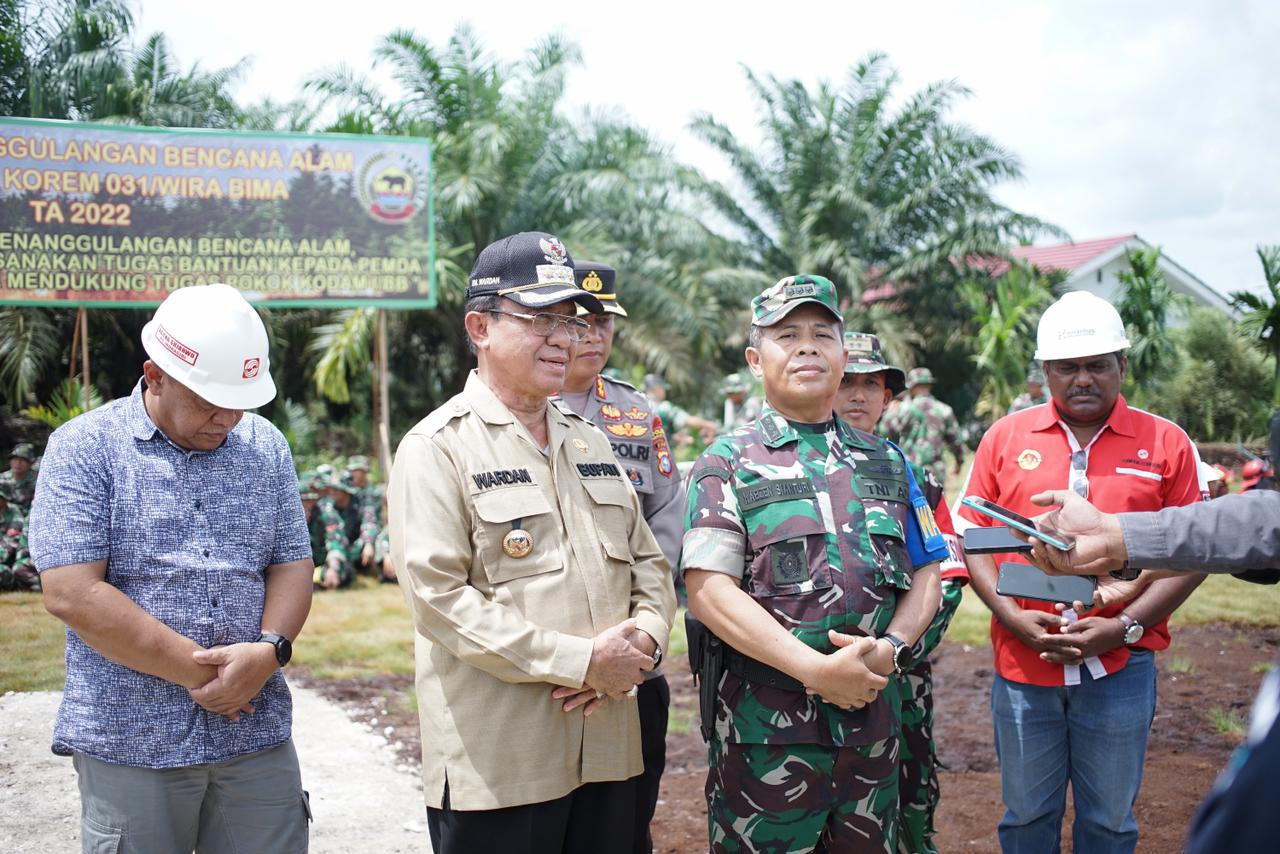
<point>1027,582</point>
<point>994,540</point>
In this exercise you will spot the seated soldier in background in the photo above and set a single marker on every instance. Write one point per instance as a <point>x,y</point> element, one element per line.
<point>21,476</point>
<point>340,520</point>
<point>310,495</point>
<point>869,384</point>
<point>16,569</point>
<point>368,493</point>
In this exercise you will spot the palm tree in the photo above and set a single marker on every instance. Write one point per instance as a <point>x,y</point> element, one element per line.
<point>1005,314</point>
<point>1261,321</point>
<point>1144,305</point>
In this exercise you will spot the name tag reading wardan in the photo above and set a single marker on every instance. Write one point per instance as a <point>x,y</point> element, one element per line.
<point>501,477</point>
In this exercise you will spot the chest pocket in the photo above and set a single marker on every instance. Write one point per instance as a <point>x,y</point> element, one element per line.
<point>502,511</point>
<point>787,538</point>
<point>882,486</point>
<point>611,502</point>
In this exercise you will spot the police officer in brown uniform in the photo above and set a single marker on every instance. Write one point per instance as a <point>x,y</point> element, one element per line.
<point>540,597</point>
<point>630,422</point>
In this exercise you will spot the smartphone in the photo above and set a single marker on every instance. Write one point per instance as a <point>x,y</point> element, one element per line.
<point>1027,582</point>
<point>995,540</point>
<point>1018,522</point>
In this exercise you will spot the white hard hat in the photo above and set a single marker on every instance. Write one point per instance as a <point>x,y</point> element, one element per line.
<point>210,339</point>
<point>1079,324</point>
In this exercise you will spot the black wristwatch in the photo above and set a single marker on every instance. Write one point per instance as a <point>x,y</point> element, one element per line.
<point>1126,572</point>
<point>901,653</point>
<point>284,649</point>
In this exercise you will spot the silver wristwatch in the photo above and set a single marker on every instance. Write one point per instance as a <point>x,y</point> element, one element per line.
<point>1133,630</point>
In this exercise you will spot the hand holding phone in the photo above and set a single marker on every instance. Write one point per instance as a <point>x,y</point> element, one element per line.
<point>1018,522</point>
<point>997,539</point>
<point>1026,582</point>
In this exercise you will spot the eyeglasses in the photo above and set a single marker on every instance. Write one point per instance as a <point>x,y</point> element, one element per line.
<point>545,324</point>
<point>1079,479</point>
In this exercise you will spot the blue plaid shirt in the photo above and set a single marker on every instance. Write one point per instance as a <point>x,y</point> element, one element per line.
<point>188,536</point>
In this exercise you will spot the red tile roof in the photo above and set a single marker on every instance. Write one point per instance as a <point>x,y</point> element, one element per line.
<point>1067,256</point>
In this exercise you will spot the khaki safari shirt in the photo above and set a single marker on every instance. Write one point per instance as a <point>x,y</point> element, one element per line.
<point>495,631</point>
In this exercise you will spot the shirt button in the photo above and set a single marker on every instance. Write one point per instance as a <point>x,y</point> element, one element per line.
<point>214,601</point>
<point>206,552</point>
<point>197,504</point>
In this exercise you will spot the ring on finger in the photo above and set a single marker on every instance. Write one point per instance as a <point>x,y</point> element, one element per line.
<point>599,695</point>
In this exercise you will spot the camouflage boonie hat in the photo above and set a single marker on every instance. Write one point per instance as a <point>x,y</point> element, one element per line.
<point>338,482</point>
<point>734,384</point>
<point>866,357</point>
<point>23,450</point>
<point>358,462</point>
<point>1035,375</point>
<point>784,297</point>
<point>919,376</point>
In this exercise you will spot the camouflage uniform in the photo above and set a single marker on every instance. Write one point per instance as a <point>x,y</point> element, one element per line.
<point>736,415</point>
<point>1026,401</point>
<point>16,570</point>
<point>25,489</point>
<point>924,427</point>
<point>765,505</point>
<point>918,788</point>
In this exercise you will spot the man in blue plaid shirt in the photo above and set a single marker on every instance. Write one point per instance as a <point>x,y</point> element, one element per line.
<point>170,539</point>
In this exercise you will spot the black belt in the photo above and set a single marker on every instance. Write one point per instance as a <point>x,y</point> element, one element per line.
<point>757,672</point>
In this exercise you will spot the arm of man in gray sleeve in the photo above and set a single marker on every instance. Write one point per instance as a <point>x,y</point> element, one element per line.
<point>664,511</point>
<point>1228,534</point>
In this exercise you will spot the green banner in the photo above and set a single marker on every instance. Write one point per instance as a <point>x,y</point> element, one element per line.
<point>112,216</point>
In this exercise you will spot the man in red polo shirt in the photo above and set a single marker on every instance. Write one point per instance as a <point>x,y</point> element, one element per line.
<point>1073,699</point>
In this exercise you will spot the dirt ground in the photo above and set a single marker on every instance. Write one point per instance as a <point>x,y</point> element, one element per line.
<point>1210,669</point>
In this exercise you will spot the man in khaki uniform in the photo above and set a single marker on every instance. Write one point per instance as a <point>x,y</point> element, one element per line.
<point>540,597</point>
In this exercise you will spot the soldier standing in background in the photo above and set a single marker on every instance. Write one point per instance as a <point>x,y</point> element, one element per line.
<point>925,426</point>
<point>869,384</point>
<point>674,418</point>
<point>739,408</point>
<point>1034,395</point>
<point>636,433</point>
<point>803,556</point>
<point>21,477</point>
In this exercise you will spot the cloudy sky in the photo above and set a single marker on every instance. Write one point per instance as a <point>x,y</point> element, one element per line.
<point>1160,118</point>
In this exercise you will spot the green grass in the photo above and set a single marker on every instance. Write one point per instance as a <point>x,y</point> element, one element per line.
<point>1261,668</point>
<point>1180,665</point>
<point>1228,722</point>
<point>34,643</point>
<point>361,631</point>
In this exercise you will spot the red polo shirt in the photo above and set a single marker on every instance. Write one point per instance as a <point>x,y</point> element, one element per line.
<point>1138,461</point>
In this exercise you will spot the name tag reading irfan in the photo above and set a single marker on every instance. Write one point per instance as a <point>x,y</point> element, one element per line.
<point>770,491</point>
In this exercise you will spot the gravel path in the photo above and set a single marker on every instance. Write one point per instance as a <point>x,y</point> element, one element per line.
<point>362,798</point>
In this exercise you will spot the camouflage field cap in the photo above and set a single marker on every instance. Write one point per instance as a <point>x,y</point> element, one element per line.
<point>919,376</point>
<point>309,494</point>
<point>866,357</point>
<point>339,482</point>
<point>788,294</point>
<point>358,463</point>
<point>601,281</point>
<point>734,384</point>
<point>23,450</point>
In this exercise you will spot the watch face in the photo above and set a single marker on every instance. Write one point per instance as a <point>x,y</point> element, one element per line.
<point>1133,634</point>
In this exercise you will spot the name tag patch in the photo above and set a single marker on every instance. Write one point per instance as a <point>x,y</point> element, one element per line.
<point>598,470</point>
<point>501,477</point>
<point>775,490</point>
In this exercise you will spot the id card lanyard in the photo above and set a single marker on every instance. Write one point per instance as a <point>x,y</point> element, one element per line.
<point>1078,481</point>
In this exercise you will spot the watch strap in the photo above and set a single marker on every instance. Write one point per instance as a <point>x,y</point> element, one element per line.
<point>282,645</point>
<point>901,653</point>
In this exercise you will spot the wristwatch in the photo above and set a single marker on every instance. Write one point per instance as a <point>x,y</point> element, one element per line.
<point>1126,572</point>
<point>657,656</point>
<point>901,653</point>
<point>1133,630</point>
<point>284,649</point>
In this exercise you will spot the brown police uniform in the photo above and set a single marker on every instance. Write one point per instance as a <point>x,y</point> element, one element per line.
<point>513,560</point>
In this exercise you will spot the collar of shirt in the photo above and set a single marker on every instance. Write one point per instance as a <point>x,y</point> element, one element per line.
<point>1121,419</point>
<point>493,411</point>
<point>778,431</point>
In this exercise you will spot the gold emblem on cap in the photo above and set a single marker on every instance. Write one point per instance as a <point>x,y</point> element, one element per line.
<point>1029,459</point>
<point>581,445</point>
<point>517,543</point>
<point>592,283</point>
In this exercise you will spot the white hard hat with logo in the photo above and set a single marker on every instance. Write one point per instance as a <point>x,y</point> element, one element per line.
<point>211,340</point>
<point>1079,324</point>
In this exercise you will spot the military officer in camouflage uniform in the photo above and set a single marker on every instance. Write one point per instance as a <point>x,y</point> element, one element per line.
<point>340,518</point>
<point>368,493</point>
<point>1033,396</point>
<point>676,419</point>
<point>811,554</point>
<point>635,432</point>
<point>924,426</point>
<point>869,384</point>
<point>21,477</point>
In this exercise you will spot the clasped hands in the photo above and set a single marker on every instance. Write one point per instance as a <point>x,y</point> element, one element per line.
<point>620,657</point>
<point>854,674</point>
<point>238,672</point>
